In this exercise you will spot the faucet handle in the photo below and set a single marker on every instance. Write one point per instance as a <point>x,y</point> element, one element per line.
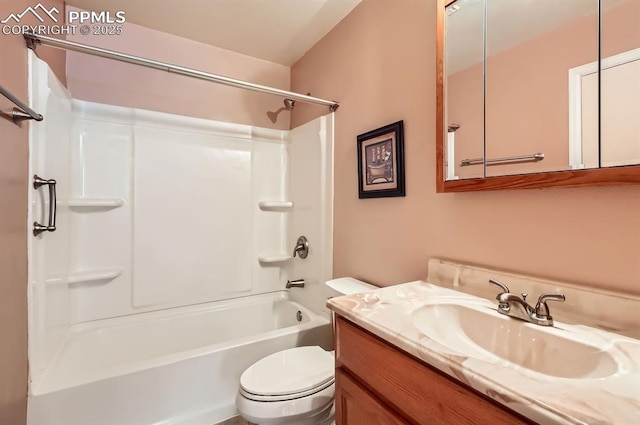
<point>501,285</point>
<point>505,290</point>
<point>301,248</point>
<point>542,309</point>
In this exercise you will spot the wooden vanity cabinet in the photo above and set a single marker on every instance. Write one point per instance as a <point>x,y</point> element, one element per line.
<point>378,384</point>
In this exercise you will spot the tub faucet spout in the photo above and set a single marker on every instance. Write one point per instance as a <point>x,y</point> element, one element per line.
<point>298,283</point>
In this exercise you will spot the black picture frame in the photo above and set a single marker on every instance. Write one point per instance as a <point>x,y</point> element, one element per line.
<point>381,162</point>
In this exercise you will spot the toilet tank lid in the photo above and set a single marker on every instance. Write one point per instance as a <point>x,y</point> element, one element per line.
<point>349,285</point>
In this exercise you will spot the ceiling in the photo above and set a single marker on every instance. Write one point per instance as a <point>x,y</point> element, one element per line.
<point>509,23</point>
<point>279,31</point>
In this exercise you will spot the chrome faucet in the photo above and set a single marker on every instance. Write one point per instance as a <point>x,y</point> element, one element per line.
<point>298,283</point>
<point>302,247</point>
<point>517,307</point>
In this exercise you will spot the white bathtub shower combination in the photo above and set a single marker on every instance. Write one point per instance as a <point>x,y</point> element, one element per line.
<point>181,366</point>
<point>165,277</point>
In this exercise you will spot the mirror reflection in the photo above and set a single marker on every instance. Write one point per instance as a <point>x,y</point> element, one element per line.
<point>620,86</point>
<point>522,86</point>
<point>464,107</point>
<point>531,46</point>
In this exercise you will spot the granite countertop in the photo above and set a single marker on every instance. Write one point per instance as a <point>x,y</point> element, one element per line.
<point>615,399</point>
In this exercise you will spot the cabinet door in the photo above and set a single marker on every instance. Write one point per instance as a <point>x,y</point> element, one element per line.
<point>356,406</point>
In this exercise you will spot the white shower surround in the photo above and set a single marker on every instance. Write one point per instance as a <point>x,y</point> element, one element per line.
<point>162,212</point>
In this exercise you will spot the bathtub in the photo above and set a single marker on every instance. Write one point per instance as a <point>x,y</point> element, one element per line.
<point>173,367</point>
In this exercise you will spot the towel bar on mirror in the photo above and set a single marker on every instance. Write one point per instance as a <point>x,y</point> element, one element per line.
<point>533,157</point>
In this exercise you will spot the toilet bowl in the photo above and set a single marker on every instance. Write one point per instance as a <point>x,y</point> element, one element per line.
<point>294,386</point>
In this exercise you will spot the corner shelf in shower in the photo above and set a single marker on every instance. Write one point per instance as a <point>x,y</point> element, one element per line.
<point>92,203</point>
<point>86,276</point>
<point>280,206</point>
<point>273,259</point>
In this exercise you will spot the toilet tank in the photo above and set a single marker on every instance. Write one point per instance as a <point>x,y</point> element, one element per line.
<point>347,286</point>
<point>344,286</point>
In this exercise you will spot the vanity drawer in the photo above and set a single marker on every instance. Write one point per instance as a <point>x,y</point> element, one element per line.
<point>422,394</point>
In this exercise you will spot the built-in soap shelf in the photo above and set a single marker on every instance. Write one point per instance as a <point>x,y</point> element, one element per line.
<point>273,259</point>
<point>86,276</point>
<point>92,203</point>
<point>278,206</point>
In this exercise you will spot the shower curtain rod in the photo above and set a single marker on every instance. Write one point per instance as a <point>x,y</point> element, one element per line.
<point>34,39</point>
<point>22,112</point>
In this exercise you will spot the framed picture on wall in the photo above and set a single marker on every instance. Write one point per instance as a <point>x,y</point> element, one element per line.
<point>381,162</point>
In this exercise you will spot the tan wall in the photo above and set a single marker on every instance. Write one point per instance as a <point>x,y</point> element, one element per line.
<point>116,83</point>
<point>380,64</point>
<point>14,157</point>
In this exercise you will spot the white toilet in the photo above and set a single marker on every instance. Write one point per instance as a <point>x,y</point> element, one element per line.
<point>294,386</point>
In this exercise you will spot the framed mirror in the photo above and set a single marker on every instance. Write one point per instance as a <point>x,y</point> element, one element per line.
<point>533,93</point>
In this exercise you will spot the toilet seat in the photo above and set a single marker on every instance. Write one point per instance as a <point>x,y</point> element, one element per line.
<point>288,374</point>
<point>286,397</point>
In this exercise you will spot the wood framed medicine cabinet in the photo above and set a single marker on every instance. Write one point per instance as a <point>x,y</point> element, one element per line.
<point>614,175</point>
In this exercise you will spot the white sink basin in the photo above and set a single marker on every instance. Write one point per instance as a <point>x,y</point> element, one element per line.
<point>478,331</point>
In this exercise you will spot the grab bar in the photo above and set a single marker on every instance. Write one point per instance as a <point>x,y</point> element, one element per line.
<point>37,227</point>
<point>24,112</point>
<point>534,157</point>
